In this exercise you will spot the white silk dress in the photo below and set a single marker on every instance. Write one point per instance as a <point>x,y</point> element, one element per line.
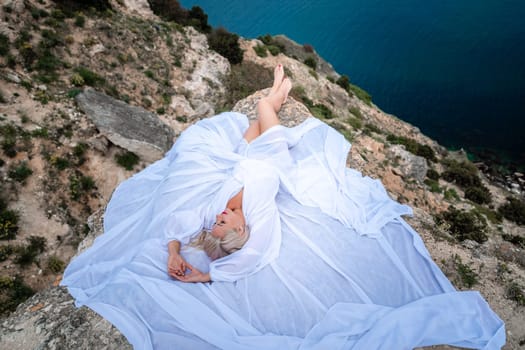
<point>330,263</point>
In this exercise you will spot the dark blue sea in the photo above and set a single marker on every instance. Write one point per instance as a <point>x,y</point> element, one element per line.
<point>453,68</point>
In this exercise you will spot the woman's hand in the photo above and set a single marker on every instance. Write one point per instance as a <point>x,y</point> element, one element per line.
<point>194,275</point>
<point>176,265</point>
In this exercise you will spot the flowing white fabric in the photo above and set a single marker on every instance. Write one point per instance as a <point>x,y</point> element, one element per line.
<point>329,263</point>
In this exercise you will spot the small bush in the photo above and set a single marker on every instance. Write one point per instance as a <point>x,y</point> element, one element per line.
<point>370,128</point>
<point>274,50</point>
<point>28,55</point>
<point>432,174</point>
<point>515,292</point>
<point>245,79</point>
<point>344,82</point>
<point>478,194</point>
<point>260,50</point>
<point>413,147</point>
<point>518,241</point>
<point>433,185</point>
<point>20,172</point>
<point>90,78</point>
<point>80,20</point>
<point>73,93</point>
<point>468,277</point>
<point>79,185</point>
<point>226,44</point>
<point>4,44</point>
<point>149,74</point>
<point>55,265</point>
<point>491,215</point>
<point>361,94</point>
<point>13,291</point>
<point>311,62</point>
<point>355,123</point>
<point>321,111</point>
<point>451,194</point>
<point>26,254</point>
<point>8,223</point>
<point>127,160</point>
<point>513,210</point>
<point>356,111</point>
<point>464,225</point>
<point>5,252</point>
<point>59,162</point>
<point>69,7</point>
<point>464,174</point>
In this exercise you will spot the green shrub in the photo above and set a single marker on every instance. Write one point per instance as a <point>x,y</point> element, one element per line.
<point>491,215</point>
<point>26,254</point>
<point>73,93</point>
<point>50,39</point>
<point>59,162</point>
<point>69,7</point>
<point>311,62</point>
<point>40,132</point>
<point>432,174</point>
<point>466,274</point>
<point>513,210</point>
<point>344,82</point>
<point>274,50</point>
<point>8,223</point>
<point>518,241</point>
<point>244,79</point>
<point>13,291</point>
<point>149,74</point>
<point>226,44</point>
<point>413,147</point>
<point>515,292</point>
<point>355,123</point>
<point>450,194</point>
<point>4,44</point>
<point>464,225</point>
<point>55,264</point>
<point>80,20</point>
<point>361,94</point>
<point>79,185</point>
<point>478,194</point>
<point>5,252</point>
<point>28,55</point>
<point>260,50</point>
<point>272,45</point>
<point>198,19</point>
<point>20,172</point>
<point>370,128</point>
<point>2,98</point>
<point>321,111</point>
<point>464,174</point>
<point>127,160</point>
<point>90,78</point>
<point>433,186</point>
<point>356,111</point>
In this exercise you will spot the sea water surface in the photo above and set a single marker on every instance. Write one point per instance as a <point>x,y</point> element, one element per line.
<point>453,68</point>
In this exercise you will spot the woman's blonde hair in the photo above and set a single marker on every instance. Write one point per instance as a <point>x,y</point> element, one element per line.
<point>219,247</point>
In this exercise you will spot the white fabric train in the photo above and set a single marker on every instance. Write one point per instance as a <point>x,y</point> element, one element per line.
<point>330,264</point>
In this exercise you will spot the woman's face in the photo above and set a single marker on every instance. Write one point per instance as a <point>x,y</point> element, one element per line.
<point>227,220</point>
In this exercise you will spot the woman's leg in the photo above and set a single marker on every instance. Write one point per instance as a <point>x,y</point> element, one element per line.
<point>268,106</point>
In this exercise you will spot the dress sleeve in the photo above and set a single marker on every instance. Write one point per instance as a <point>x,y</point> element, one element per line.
<point>261,183</point>
<point>182,226</point>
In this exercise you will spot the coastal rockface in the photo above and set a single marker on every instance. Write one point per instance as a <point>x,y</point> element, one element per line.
<point>74,93</point>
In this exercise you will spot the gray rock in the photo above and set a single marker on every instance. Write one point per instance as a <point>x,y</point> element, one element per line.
<point>409,165</point>
<point>50,320</point>
<point>132,128</point>
<point>13,77</point>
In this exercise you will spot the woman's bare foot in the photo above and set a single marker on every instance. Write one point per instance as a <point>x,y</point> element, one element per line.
<point>278,76</point>
<point>278,98</point>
